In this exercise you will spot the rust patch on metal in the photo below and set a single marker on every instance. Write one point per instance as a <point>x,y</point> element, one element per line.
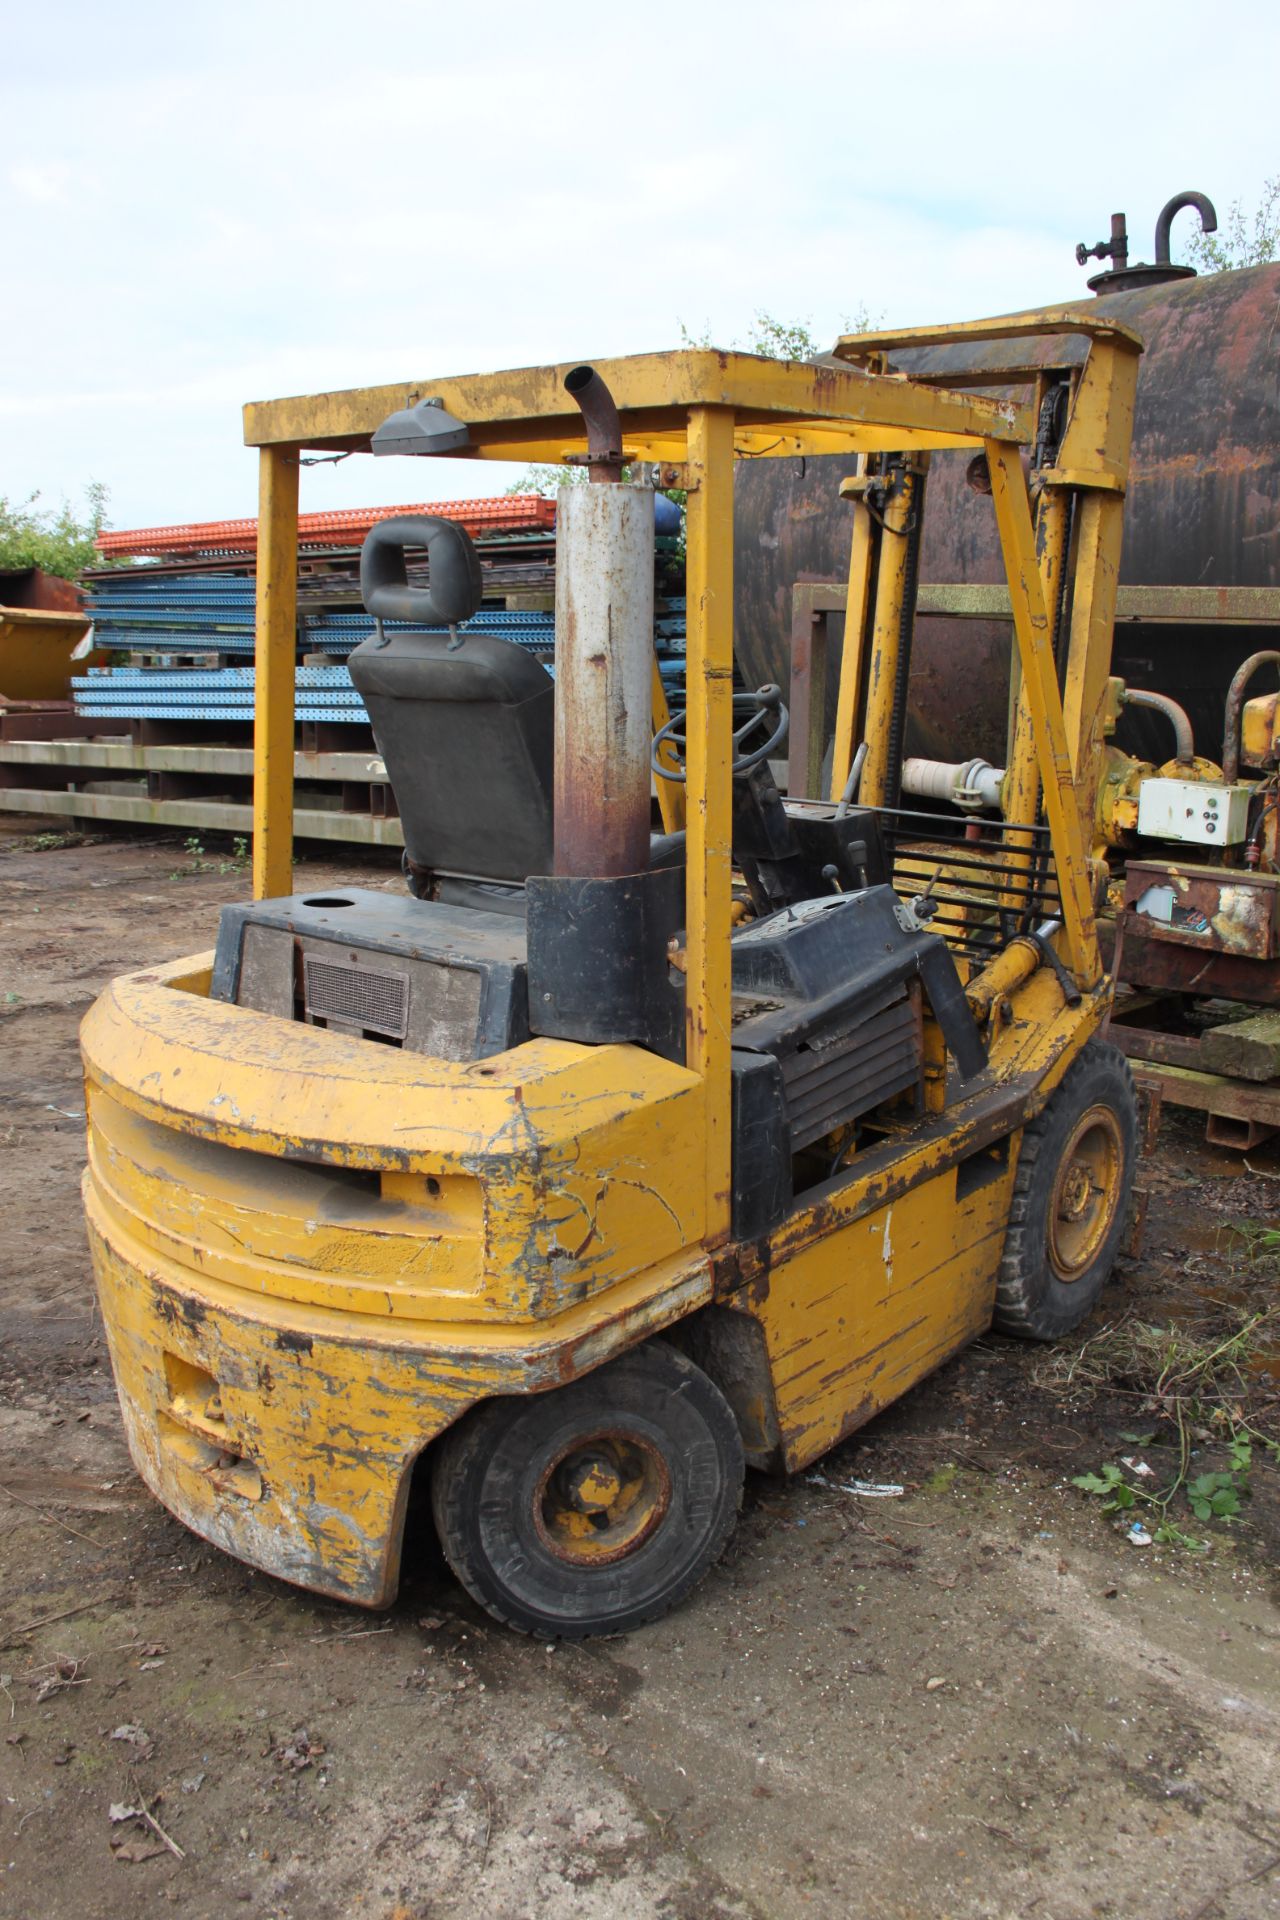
<point>180,1309</point>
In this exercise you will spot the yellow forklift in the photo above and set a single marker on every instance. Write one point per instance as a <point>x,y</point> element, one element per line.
<point>605,1162</point>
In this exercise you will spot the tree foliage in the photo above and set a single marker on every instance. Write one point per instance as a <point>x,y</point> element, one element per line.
<point>782,339</point>
<point>56,539</point>
<point>1241,241</point>
<point>547,481</point>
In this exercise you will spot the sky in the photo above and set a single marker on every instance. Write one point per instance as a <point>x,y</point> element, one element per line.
<point>202,206</point>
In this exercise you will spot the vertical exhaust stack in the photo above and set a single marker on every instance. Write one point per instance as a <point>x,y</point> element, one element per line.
<point>599,925</point>
<point>604,649</point>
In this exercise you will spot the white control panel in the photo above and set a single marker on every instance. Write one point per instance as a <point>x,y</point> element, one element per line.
<point>1211,816</point>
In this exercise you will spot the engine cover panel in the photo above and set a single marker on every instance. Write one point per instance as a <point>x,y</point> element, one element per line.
<point>442,980</point>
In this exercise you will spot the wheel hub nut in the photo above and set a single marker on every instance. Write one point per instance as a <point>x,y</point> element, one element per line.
<point>1076,1189</point>
<point>593,1484</point>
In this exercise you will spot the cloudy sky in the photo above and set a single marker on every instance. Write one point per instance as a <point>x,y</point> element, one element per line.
<point>206,205</point>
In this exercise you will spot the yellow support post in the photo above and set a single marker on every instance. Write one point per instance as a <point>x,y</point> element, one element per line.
<point>275,650</point>
<point>708,754</point>
<point>1095,449</point>
<point>886,639</point>
<point>1084,694</point>
<point>854,649</point>
<point>1040,692</point>
<point>1021,806</point>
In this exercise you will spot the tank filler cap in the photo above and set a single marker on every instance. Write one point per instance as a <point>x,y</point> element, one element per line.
<point>1121,277</point>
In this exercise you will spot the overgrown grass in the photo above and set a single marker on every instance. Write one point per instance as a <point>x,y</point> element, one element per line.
<point>1259,1242</point>
<point>1193,1385</point>
<point>1170,1368</point>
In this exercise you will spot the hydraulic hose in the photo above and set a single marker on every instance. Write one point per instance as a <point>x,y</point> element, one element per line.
<point>1184,743</point>
<point>1235,707</point>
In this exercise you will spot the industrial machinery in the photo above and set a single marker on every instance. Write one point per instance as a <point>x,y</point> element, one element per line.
<point>1192,910</point>
<point>608,1161</point>
<point>1198,600</point>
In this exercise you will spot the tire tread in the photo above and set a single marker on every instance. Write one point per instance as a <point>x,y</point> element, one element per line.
<point>464,1445</point>
<point>1019,1306</point>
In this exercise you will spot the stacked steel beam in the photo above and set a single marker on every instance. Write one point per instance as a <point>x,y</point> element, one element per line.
<point>322,692</point>
<point>196,599</point>
<point>514,512</point>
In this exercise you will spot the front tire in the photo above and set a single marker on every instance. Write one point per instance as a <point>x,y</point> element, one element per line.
<point>596,1507</point>
<point>1070,1198</point>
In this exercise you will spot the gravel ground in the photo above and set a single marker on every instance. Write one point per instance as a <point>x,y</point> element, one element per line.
<point>974,1701</point>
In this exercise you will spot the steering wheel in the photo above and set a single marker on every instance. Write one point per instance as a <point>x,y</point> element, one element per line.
<point>753,714</point>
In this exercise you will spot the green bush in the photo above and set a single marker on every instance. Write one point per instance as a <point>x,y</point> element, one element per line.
<point>55,539</point>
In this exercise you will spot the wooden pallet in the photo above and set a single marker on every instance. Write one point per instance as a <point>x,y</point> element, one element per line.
<point>339,794</point>
<point>1180,1068</point>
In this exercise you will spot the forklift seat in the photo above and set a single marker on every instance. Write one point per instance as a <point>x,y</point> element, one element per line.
<point>466,726</point>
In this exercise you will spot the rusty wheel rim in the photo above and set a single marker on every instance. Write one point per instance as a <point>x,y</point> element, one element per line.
<point>1086,1194</point>
<point>601,1498</point>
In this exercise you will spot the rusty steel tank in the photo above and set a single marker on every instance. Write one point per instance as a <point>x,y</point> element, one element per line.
<point>1203,511</point>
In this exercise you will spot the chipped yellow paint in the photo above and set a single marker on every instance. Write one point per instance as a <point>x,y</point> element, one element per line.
<point>523,414</point>
<point>887,638</point>
<point>853,648</point>
<point>560,1170</point>
<point>708,789</point>
<point>1260,731</point>
<point>324,1413</point>
<point>854,1320</point>
<point>525,1220</point>
<point>275,651</point>
<point>1040,690</point>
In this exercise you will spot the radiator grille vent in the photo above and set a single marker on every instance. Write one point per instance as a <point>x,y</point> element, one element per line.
<point>365,997</point>
<point>833,1081</point>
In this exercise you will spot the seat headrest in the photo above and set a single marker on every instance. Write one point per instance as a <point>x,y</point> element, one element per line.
<point>456,589</point>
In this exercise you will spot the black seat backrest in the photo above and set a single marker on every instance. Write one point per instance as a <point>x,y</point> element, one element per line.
<point>465,724</point>
<point>464,721</point>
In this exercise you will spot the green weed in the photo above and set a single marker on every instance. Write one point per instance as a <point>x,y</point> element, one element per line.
<point>199,862</point>
<point>1197,1387</point>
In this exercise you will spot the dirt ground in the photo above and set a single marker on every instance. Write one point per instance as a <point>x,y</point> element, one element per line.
<point>974,1700</point>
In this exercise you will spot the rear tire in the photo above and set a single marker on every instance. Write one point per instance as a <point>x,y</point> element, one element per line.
<point>1070,1199</point>
<point>596,1507</point>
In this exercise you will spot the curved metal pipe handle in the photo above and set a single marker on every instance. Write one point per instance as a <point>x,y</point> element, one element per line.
<point>456,589</point>
<point>1233,711</point>
<point>600,414</point>
<point>1203,206</point>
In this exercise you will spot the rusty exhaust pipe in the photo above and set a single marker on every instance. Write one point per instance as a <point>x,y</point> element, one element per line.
<point>604,650</point>
<point>600,922</point>
<point>1164,223</point>
<point>604,429</point>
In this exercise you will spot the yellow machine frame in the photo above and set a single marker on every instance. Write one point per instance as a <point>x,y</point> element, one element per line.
<point>286,1345</point>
